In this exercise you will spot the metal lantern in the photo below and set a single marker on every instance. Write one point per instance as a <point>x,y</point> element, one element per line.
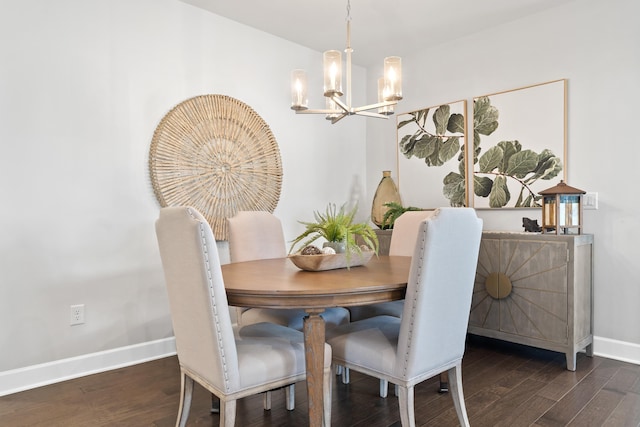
<point>562,209</point>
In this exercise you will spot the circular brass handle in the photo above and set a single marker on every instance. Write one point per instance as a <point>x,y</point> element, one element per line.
<point>498,285</point>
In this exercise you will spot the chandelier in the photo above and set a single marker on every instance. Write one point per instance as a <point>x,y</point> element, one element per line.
<point>389,86</point>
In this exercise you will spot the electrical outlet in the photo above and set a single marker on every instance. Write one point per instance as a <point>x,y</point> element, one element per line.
<point>77,314</point>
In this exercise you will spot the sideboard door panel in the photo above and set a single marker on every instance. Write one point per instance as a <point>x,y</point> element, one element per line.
<point>534,289</point>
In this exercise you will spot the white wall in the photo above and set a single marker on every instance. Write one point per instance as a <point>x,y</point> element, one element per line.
<point>83,84</point>
<point>594,45</point>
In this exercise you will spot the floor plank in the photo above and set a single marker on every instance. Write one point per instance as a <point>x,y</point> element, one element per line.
<point>504,385</point>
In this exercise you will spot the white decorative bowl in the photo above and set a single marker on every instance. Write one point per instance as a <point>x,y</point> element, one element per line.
<point>330,262</point>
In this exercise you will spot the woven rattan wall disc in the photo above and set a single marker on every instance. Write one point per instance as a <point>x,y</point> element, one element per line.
<point>215,153</point>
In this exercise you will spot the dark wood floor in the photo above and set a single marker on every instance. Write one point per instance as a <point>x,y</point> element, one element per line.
<point>504,385</point>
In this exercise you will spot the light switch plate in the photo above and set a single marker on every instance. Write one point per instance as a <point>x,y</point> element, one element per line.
<point>590,201</point>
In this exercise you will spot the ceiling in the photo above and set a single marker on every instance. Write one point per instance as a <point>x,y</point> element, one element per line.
<point>379,28</point>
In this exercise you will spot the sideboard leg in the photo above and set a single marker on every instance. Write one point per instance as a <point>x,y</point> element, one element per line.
<point>589,350</point>
<point>571,361</point>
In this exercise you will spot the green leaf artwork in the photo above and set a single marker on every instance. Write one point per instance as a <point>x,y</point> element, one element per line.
<point>436,137</point>
<point>506,161</point>
<point>504,172</point>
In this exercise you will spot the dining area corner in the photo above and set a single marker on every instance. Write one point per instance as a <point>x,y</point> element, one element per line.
<point>420,282</point>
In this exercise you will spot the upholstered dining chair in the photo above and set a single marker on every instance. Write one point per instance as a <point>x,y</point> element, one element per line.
<point>230,362</point>
<point>403,243</point>
<point>257,235</point>
<point>430,336</point>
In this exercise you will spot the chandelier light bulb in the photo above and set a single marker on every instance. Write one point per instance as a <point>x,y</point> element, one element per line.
<point>332,73</point>
<point>393,78</point>
<point>383,92</point>
<point>299,100</point>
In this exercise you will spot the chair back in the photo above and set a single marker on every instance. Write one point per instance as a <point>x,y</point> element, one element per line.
<point>405,232</point>
<point>255,235</point>
<point>199,311</point>
<point>438,299</point>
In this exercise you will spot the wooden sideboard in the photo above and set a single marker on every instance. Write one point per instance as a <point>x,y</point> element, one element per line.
<point>537,290</point>
<point>384,240</point>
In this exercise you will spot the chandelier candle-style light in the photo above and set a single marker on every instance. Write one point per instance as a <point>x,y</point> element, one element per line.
<point>389,86</point>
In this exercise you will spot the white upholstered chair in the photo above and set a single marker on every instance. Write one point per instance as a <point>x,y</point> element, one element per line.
<point>228,361</point>
<point>430,336</point>
<point>257,235</point>
<point>403,243</point>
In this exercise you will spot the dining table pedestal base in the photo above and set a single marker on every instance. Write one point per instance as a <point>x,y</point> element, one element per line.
<point>314,339</point>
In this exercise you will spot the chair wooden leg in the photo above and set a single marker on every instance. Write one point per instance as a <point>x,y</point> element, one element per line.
<point>228,413</point>
<point>186,393</point>
<point>384,388</point>
<point>290,397</point>
<point>345,375</point>
<point>326,397</point>
<point>444,383</point>
<point>215,404</point>
<point>455,374</point>
<point>266,401</point>
<point>406,405</point>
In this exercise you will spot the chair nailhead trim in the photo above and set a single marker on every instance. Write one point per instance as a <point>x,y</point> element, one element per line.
<point>414,301</point>
<point>213,300</point>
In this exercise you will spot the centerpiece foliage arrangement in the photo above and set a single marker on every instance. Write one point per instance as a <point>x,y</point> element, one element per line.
<point>337,225</point>
<point>394,212</point>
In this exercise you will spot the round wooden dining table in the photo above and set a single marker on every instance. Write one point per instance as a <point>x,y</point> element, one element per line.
<point>278,283</point>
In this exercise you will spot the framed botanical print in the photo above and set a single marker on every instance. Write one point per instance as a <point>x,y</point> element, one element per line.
<point>519,145</point>
<point>431,156</point>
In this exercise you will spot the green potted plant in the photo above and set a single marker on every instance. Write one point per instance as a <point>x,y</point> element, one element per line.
<point>337,226</point>
<point>393,212</point>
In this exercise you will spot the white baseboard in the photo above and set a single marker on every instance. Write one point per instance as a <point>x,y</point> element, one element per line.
<point>34,376</point>
<point>61,370</point>
<point>617,350</point>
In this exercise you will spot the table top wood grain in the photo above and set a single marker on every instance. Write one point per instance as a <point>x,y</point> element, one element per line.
<point>278,283</point>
